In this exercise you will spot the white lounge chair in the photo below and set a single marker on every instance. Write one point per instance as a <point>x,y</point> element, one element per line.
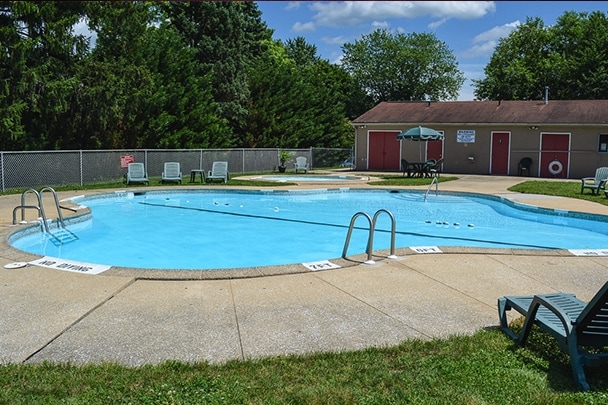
<point>219,170</point>
<point>301,164</point>
<point>136,173</point>
<point>172,172</point>
<point>596,183</point>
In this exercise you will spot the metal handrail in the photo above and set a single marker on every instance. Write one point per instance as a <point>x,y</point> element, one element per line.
<point>59,214</point>
<point>434,181</point>
<point>39,207</point>
<point>393,229</point>
<point>372,229</point>
<point>369,239</point>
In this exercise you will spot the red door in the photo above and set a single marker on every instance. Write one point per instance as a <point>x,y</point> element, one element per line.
<point>554,155</point>
<point>500,153</point>
<point>434,150</point>
<point>384,151</point>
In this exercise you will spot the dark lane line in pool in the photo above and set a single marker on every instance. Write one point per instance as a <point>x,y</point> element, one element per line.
<point>519,245</point>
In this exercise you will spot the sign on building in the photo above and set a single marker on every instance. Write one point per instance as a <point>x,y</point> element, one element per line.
<point>465,136</point>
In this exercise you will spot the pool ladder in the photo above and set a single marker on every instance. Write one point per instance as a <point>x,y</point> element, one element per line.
<point>57,239</point>
<point>372,228</point>
<point>434,181</point>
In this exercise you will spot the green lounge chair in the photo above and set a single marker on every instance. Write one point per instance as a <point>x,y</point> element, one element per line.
<point>575,325</point>
<point>597,183</point>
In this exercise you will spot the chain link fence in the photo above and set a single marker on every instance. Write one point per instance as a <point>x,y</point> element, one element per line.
<point>24,170</point>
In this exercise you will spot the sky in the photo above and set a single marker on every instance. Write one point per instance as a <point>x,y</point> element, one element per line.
<point>471,29</point>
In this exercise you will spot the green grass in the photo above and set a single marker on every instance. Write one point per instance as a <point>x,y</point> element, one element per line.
<point>485,368</point>
<point>156,182</point>
<point>558,188</point>
<point>392,180</point>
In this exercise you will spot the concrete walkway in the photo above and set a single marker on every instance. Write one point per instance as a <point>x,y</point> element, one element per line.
<point>121,317</point>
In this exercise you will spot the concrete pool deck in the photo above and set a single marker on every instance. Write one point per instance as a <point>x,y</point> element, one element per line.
<point>60,316</point>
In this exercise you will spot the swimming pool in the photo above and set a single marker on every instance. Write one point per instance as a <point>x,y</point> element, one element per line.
<point>309,178</point>
<point>211,229</point>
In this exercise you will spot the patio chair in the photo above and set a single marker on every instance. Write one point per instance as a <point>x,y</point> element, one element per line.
<point>219,171</point>
<point>406,167</point>
<point>428,165</point>
<point>524,165</point>
<point>172,172</point>
<point>301,164</point>
<point>435,169</point>
<point>136,173</point>
<point>575,325</point>
<point>596,183</point>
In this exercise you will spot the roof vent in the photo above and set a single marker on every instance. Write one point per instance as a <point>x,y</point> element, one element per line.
<point>546,94</point>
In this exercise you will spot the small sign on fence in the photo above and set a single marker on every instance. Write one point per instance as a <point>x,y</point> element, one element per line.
<point>125,160</point>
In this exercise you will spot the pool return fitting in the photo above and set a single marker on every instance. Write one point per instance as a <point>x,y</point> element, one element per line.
<point>372,228</point>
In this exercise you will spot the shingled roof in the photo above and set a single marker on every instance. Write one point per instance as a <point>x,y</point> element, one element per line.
<point>578,112</point>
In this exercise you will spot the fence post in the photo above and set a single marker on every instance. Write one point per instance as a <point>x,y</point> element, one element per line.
<point>2,168</point>
<point>312,162</point>
<point>81,171</point>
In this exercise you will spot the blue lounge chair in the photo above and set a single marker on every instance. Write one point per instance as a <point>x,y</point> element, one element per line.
<point>575,325</point>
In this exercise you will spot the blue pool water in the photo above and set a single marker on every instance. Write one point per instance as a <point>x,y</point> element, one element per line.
<point>210,229</point>
<point>308,178</point>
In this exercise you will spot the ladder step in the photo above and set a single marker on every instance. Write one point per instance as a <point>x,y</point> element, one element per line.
<point>62,237</point>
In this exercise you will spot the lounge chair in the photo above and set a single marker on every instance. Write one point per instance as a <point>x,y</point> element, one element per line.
<point>136,173</point>
<point>524,165</point>
<point>573,323</point>
<point>219,171</point>
<point>301,164</point>
<point>172,172</point>
<point>596,183</point>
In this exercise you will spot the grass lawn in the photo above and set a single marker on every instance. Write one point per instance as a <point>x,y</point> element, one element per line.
<point>485,368</point>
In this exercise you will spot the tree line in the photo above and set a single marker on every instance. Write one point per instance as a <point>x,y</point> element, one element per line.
<point>210,75</point>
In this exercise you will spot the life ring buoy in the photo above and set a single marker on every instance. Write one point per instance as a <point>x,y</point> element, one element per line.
<point>555,167</point>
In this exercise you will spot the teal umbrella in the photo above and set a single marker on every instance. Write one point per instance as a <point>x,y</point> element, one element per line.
<point>420,134</point>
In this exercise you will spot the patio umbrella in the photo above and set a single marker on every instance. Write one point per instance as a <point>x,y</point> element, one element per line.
<point>420,134</point>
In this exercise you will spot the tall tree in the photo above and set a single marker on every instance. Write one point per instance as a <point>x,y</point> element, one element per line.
<point>40,55</point>
<point>403,67</point>
<point>570,57</point>
<point>297,105</point>
<point>155,94</point>
<point>301,52</point>
<point>228,37</point>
